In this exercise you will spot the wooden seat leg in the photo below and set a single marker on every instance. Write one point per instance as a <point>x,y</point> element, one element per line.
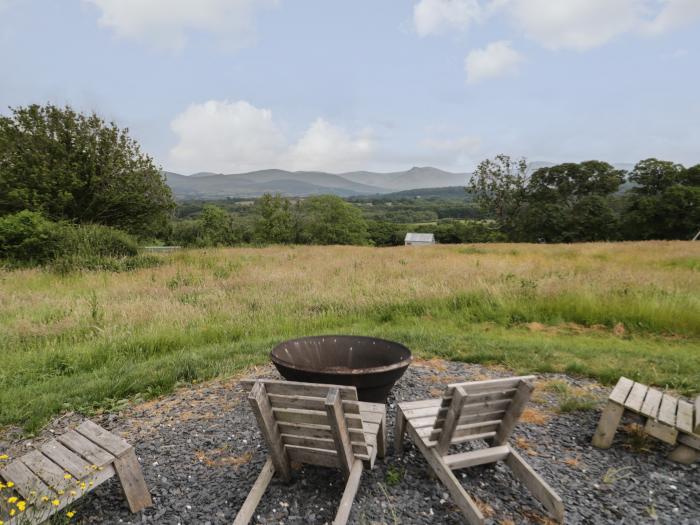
<point>341,517</point>
<point>131,478</point>
<point>381,438</point>
<point>255,494</point>
<point>684,454</point>
<point>607,426</point>
<point>454,487</point>
<point>539,488</point>
<point>399,431</point>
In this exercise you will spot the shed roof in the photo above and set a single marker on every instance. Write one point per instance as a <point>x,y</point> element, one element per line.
<point>419,237</point>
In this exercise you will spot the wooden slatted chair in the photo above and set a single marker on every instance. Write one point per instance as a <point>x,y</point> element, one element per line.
<point>316,424</point>
<point>667,418</point>
<point>64,469</point>
<point>480,410</point>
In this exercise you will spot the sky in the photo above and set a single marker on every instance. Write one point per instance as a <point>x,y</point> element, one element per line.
<point>238,85</point>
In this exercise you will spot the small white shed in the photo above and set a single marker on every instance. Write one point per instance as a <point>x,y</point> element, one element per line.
<point>419,239</point>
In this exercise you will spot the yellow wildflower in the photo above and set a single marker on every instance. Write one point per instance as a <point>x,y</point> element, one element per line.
<point>82,485</point>
<point>2,486</point>
<point>61,492</point>
<point>44,498</point>
<point>21,505</point>
<point>12,499</point>
<point>10,484</point>
<point>55,503</point>
<point>12,512</point>
<point>3,457</point>
<point>67,476</point>
<point>70,514</point>
<point>2,522</point>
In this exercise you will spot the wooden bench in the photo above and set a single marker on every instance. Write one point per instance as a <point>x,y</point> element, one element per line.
<point>316,424</point>
<point>480,410</point>
<point>667,418</point>
<point>51,477</point>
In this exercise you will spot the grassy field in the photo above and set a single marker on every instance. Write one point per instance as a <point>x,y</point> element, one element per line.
<point>92,340</point>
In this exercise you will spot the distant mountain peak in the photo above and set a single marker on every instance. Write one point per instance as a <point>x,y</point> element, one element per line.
<point>208,185</point>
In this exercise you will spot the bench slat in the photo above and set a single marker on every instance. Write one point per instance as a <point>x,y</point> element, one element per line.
<point>314,431</point>
<point>309,403</point>
<point>44,512</point>
<point>621,390</point>
<point>66,459</point>
<point>696,424</point>
<point>86,448</point>
<point>296,388</point>
<point>47,470</point>
<point>407,406</point>
<point>684,416</point>
<point>25,480</point>
<point>314,456</point>
<point>636,397</point>
<point>667,412</point>
<point>474,387</point>
<point>652,401</point>
<point>103,438</point>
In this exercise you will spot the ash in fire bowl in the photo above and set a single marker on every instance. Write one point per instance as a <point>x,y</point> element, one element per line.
<point>370,364</point>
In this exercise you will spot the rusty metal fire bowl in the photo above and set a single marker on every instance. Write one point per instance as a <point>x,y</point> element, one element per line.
<point>370,364</point>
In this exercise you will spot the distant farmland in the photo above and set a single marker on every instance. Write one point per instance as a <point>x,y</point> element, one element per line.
<point>89,341</point>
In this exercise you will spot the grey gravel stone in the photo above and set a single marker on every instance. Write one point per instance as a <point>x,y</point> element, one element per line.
<point>201,452</point>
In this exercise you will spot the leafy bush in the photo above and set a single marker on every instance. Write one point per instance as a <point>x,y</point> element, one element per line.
<point>30,238</point>
<point>27,239</point>
<point>100,241</point>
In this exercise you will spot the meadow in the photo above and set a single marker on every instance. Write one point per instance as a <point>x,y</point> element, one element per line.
<point>96,340</point>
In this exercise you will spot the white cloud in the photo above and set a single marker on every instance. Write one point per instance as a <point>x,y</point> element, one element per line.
<point>331,148</point>
<point>495,60</point>
<point>675,13</point>
<point>166,23</point>
<point>575,24</point>
<point>560,24</point>
<point>225,136</point>
<point>436,16</point>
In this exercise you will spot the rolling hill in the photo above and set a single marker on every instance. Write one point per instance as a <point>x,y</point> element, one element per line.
<point>206,185</point>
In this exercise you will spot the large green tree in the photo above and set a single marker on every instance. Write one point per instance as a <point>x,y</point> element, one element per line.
<point>275,220</point>
<point>665,202</point>
<point>75,166</point>
<point>499,187</point>
<point>571,202</point>
<point>327,219</point>
<point>563,203</point>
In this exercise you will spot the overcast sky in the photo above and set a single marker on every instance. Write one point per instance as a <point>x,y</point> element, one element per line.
<point>237,85</point>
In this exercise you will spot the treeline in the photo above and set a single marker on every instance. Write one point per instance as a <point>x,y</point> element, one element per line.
<point>578,202</point>
<point>324,219</point>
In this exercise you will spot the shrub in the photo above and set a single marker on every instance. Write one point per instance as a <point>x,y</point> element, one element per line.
<point>101,241</point>
<point>27,237</point>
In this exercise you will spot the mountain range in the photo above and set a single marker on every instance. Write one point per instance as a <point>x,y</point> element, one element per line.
<point>205,185</point>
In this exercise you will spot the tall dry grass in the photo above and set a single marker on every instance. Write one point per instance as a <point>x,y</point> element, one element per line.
<point>75,341</point>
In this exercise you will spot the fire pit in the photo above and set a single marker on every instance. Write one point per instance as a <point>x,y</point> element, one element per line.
<point>371,365</point>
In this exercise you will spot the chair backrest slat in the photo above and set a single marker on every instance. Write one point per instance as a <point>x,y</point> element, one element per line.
<point>305,427</point>
<point>482,408</point>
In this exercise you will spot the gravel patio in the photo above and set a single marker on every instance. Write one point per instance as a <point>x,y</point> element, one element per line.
<point>201,451</point>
